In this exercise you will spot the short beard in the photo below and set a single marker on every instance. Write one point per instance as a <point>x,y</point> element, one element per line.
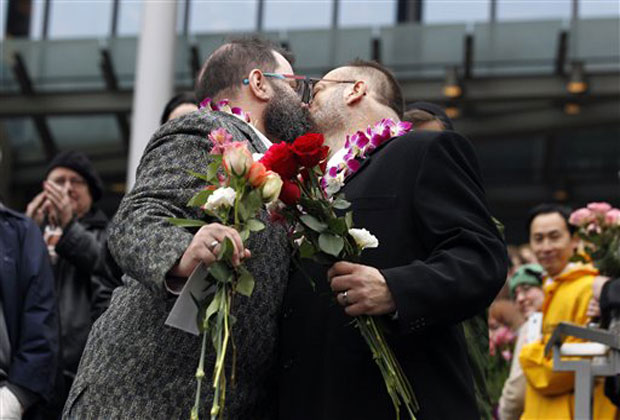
<point>285,118</point>
<point>330,118</point>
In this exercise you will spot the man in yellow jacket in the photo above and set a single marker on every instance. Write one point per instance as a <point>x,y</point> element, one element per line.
<point>568,290</point>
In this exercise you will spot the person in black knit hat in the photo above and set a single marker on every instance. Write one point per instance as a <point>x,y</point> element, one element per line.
<point>74,231</point>
<point>428,116</point>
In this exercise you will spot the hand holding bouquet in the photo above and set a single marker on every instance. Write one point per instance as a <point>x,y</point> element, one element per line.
<point>236,190</point>
<point>321,233</point>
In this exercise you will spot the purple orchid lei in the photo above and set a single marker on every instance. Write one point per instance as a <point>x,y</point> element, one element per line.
<point>357,147</point>
<point>224,106</point>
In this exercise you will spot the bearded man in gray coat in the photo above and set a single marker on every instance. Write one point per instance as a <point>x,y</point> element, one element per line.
<point>133,365</point>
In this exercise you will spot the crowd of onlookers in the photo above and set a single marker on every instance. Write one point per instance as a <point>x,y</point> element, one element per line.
<point>58,277</point>
<point>543,289</point>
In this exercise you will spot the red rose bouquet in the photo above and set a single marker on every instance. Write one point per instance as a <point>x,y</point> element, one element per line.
<point>321,234</point>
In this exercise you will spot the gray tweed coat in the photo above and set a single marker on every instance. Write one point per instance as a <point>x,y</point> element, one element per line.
<point>134,366</point>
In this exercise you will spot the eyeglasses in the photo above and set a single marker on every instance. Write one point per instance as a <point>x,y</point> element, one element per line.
<point>303,85</point>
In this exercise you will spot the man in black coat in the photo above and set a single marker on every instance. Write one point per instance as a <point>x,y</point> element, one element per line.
<point>440,260</point>
<point>29,336</point>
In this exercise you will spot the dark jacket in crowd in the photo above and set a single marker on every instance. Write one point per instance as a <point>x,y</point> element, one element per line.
<point>82,285</point>
<point>29,307</point>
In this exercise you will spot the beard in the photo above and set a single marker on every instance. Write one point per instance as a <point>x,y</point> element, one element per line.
<point>329,117</point>
<point>285,118</point>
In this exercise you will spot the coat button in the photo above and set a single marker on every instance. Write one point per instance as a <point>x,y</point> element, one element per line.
<point>287,364</point>
<point>287,313</point>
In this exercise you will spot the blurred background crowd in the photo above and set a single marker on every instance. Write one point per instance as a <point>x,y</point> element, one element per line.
<point>535,85</point>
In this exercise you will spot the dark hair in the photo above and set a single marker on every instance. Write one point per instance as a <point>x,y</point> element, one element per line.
<point>228,65</point>
<point>418,117</point>
<point>175,101</point>
<point>548,208</point>
<point>435,111</point>
<point>388,88</point>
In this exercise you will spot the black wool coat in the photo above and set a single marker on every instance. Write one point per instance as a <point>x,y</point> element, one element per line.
<point>443,260</point>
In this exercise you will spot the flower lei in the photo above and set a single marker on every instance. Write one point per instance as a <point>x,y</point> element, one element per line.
<point>224,106</point>
<point>357,147</point>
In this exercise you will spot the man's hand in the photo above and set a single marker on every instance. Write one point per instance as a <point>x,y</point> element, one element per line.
<point>36,208</point>
<point>59,198</point>
<point>204,248</point>
<point>597,286</point>
<point>594,309</point>
<point>365,287</point>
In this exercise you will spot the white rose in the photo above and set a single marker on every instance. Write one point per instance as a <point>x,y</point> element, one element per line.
<point>222,197</point>
<point>334,184</point>
<point>363,238</point>
<point>271,187</point>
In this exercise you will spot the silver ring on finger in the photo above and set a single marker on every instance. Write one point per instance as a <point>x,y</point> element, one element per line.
<point>213,244</point>
<point>345,299</point>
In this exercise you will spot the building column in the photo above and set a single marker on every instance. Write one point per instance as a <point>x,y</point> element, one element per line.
<point>154,84</point>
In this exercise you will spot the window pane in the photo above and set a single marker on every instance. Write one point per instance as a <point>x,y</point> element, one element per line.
<point>24,139</point>
<point>36,19</point>
<point>129,17</point>
<point>69,132</point>
<point>297,15</point>
<point>369,13</point>
<point>219,16</point>
<point>533,9</point>
<point>599,8</point>
<point>80,18</point>
<point>4,7</point>
<point>443,11</point>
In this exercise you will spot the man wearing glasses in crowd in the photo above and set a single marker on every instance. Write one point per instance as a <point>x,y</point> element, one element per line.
<point>136,367</point>
<point>74,231</point>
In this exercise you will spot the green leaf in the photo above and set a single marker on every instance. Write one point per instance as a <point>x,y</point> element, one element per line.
<point>313,223</point>
<point>306,249</point>
<point>245,234</point>
<point>500,227</point>
<point>200,198</point>
<point>212,170</point>
<point>250,204</point>
<point>578,258</point>
<point>186,222</point>
<point>213,307</point>
<point>198,175</point>
<point>348,218</point>
<point>220,271</point>
<point>245,283</point>
<point>226,250</point>
<point>338,226</point>
<point>331,244</point>
<point>322,258</point>
<point>341,204</point>
<point>255,225</point>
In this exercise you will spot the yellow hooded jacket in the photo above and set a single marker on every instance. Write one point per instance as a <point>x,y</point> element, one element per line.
<point>549,394</point>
